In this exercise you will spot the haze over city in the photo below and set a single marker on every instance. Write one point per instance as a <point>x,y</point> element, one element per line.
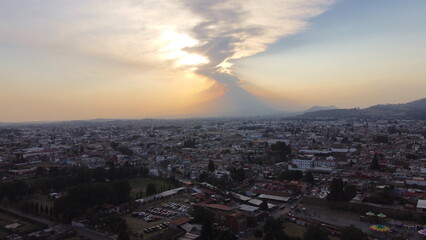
<point>85,59</point>
<point>212,120</point>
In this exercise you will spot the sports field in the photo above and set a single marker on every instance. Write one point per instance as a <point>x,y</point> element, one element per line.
<point>139,185</point>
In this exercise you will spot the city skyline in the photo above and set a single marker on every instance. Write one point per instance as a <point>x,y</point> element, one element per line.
<point>133,59</point>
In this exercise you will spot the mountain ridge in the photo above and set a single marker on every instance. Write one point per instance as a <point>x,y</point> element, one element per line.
<point>319,108</point>
<point>410,110</point>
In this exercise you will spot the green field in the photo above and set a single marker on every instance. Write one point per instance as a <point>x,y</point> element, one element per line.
<point>294,230</point>
<point>139,185</point>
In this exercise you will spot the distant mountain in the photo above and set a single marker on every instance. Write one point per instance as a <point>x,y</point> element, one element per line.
<point>410,110</point>
<point>234,102</point>
<point>319,108</point>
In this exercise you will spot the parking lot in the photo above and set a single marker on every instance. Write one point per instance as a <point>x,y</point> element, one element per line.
<point>154,218</point>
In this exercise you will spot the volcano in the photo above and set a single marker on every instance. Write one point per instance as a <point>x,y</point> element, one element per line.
<point>236,101</point>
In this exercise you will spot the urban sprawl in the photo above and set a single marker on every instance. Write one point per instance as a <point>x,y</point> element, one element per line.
<point>213,179</point>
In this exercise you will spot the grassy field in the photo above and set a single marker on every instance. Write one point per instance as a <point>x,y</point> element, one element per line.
<point>26,226</point>
<point>294,230</point>
<point>139,185</point>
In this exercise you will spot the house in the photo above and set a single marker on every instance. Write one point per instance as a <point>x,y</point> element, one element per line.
<point>421,205</point>
<point>178,222</point>
<point>226,216</point>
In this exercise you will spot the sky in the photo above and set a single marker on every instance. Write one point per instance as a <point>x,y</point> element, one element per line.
<point>86,59</point>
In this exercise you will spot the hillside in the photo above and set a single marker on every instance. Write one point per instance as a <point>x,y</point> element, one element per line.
<point>411,110</point>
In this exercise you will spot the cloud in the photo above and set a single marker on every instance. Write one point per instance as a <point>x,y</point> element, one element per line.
<point>198,35</point>
<point>134,32</point>
<point>220,31</point>
<point>233,29</point>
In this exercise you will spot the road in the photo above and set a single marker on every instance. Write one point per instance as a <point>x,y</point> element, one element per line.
<point>87,233</point>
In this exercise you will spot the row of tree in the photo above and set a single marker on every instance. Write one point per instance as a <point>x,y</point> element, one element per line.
<point>296,175</point>
<point>341,191</point>
<point>14,190</point>
<point>66,178</point>
<point>37,209</point>
<point>86,196</point>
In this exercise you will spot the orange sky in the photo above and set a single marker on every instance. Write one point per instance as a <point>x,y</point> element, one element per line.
<point>134,59</point>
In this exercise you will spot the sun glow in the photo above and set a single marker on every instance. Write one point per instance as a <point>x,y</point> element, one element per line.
<point>192,59</point>
<point>174,49</point>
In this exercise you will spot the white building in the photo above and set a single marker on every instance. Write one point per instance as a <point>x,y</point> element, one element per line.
<point>303,163</point>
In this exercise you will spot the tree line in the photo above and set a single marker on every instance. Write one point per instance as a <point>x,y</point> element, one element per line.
<point>83,197</point>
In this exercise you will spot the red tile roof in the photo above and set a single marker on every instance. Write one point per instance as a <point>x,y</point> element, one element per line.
<point>180,221</point>
<point>219,207</point>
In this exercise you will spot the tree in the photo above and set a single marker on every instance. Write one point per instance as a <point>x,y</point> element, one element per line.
<point>281,147</point>
<point>198,213</point>
<point>340,192</point>
<point>385,196</point>
<point>211,167</point>
<point>336,193</point>
<point>203,177</point>
<point>309,177</point>
<point>257,233</point>
<point>123,232</point>
<point>224,235</point>
<point>190,143</point>
<point>207,228</point>
<point>223,182</point>
<point>352,233</point>
<point>14,191</point>
<point>264,205</point>
<point>99,174</point>
<point>274,230</point>
<point>39,171</point>
<point>238,174</point>
<point>25,208</point>
<point>125,150</point>
<point>315,232</point>
<point>143,171</point>
<point>151,189</point>
<point>114,145</point>
<point>54,171</point>
<point>121,191</point>
<point>86,196</point>
<point>36,208</point>
<point>291,175</point>
<point>381,139</point>
<point>375,163</point>
<point>123,235</point>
